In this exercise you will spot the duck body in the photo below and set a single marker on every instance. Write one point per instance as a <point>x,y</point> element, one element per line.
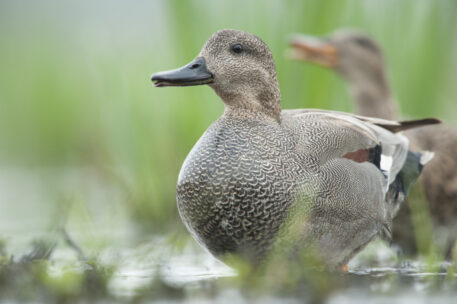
<point>246,180</point>
<point>439,182</point>
<point>262,179</point>
<point>235,187</point>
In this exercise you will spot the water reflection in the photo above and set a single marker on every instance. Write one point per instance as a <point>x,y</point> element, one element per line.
<point>134,266</point>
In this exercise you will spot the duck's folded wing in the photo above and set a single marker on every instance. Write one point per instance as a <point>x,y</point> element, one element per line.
<point>330,134</point>
<point>348,154</point>
<point>391,125</point>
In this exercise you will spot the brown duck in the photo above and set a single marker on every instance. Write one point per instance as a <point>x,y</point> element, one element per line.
<point>261,177</point>
<point>359,60</point>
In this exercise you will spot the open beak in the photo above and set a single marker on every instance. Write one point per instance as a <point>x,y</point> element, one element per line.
<point>309,48</point>
<point>194,73</point>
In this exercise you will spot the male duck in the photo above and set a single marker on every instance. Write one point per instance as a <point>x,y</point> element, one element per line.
<point>359,60</point>
<point>259,172</point>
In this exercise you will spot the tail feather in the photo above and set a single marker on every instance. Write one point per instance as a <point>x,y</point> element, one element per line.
<point>409,124</point>
<point>426,156</point>
<point>405,179</point>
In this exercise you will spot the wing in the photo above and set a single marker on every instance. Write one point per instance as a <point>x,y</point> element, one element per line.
<point>391,125</point>
<point>356,160</point>
<point>330,134</point>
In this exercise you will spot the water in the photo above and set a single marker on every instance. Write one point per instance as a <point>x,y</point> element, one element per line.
<point>157,268</point>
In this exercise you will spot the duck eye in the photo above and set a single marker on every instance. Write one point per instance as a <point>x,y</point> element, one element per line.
<point>366,43</point>
<point>237,48</point>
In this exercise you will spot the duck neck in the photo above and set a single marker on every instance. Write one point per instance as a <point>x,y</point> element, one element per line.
<point>374,98</point>
<point>265,105</point>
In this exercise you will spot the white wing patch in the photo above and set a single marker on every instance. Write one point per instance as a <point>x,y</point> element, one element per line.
<point>386,166</point>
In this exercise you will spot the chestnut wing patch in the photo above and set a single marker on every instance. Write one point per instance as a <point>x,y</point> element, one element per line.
<point>372,155</point>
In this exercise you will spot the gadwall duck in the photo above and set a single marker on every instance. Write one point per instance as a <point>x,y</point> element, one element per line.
<point>359,60</point>
<point>259,176</point>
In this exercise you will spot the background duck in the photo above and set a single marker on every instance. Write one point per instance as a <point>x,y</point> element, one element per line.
<point>309,176</point>
<point>359,60</point>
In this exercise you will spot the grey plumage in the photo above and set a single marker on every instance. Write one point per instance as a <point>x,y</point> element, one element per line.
<point>258,173</point>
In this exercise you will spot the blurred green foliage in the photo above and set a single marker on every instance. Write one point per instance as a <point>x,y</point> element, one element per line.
<point>29,278</point>
<point>74,87</point>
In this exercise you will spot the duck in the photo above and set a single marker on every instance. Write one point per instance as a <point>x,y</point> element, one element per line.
<point>359,60</point>
<point>262,179</point>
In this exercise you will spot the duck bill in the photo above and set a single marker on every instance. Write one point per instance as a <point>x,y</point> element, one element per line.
<point>312,49</point>
<point>192,74</point>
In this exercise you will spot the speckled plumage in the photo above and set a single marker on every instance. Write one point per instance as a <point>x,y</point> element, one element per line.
<point>258,173</point>
<point>239,181</point>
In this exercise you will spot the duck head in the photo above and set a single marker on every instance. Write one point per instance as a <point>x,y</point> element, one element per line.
<point>239,67</point>
<point>353,54</point>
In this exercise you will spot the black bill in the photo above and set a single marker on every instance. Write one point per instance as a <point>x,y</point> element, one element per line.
<point>194,73</point>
